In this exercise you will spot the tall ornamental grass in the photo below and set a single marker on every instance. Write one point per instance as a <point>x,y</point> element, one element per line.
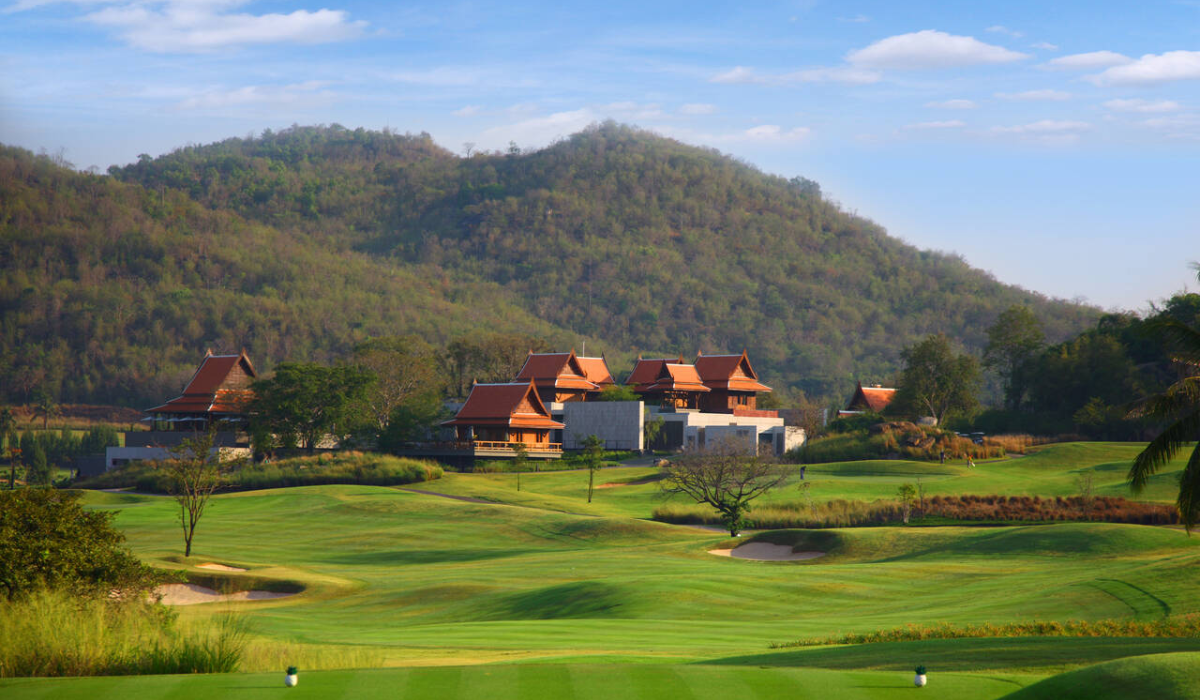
<point>52,633</point>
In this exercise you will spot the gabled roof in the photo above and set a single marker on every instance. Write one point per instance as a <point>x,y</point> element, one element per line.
<point>729,372</point>
<point>872,398</point>
<point>208,392</point>
<point>676,377</point>
<point>560,370</point>
<point>645,371</point>
<point>596,370</point>
<point>514,405</point>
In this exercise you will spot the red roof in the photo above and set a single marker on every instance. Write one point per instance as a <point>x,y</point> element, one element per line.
<point>871,398</point>
<point>730,372</point>
<point>676,377</point>
<point>646,371</point>
<point>560,370</point>
<point>596,370</point>
<point>514,405</point>
<point>216,387</point>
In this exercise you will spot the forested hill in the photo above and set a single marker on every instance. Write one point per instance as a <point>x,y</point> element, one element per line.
<point>325,234</point>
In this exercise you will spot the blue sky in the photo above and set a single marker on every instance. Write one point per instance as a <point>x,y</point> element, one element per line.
<point>1053,144</point>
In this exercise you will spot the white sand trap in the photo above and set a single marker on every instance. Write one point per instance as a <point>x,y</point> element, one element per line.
<point>219,567</point>
<point>192,594</point>
<point>765,551</point>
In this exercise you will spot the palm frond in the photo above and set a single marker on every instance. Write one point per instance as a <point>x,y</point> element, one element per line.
<point>1189,491</point>
<point>1182,396</point>
<point>1182,339</point>
<point>1162,448</point>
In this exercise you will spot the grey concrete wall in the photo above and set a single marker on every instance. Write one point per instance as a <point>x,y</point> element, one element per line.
<point>617,423</point>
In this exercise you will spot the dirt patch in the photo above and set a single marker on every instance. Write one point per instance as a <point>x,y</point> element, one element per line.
<point>765,551</point>
<point>219,567</point>
<point>193,594</point>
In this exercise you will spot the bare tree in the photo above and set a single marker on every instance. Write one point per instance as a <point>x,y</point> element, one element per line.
<point>593,451</point>
<point>726,477</point>
<point>194,473</point>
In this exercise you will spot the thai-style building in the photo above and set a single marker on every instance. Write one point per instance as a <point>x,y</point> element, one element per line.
<point>733,384</point>
<point>645,371</point>
<point>868,399</point>
<point>595,369</point>
<point>217,396</point>
<point>677,387</point>
<point>561,376</point>
<point>497,417</point>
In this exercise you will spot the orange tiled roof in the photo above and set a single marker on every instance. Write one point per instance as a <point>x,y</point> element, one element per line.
<point>645,371</point>
<point>204,392</point>
<point>515,405</point>
<point>560,370</point>
<point>596,370</point>
<point>722,372</point>
<point>677,377</point>
<point>872,398</point>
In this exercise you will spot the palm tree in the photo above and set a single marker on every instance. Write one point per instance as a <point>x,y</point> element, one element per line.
<point>1180,404</point>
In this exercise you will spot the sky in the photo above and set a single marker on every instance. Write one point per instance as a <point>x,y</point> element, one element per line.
<point>1054,145</point>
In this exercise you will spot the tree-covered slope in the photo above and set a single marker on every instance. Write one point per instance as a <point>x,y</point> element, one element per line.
<point>297,244</point>
<point>110,292</point>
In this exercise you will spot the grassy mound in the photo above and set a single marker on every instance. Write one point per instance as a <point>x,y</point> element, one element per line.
<point>1159,676</point>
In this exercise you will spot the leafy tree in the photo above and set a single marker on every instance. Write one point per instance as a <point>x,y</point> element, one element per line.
<point>907,494</point>
<point>520,460</point>
<point>593,451</point>
<point>1014,338</point>
<point>193,474</point>
<point>618,392</point>
<point>1179,407</point>
<point>13,453</point>
<point>724,477</point>
<point>46,407</point>
<point>405,371</point>
<point>8,421</point>
<point>38,472</point>
<point>50,540</point>
<point>936,382</point>
<point>652,429</point>
<point>308,401</point>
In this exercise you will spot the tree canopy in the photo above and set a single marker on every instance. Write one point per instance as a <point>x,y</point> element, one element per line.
<point>936,382</point>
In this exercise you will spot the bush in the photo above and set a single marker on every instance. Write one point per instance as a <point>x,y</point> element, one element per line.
<point>55,633</point>
<point>332,468</point>
<point>49,540</point>
<point>892,440</point>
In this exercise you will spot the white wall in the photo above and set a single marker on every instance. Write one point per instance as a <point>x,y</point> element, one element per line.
<point>617,423</point>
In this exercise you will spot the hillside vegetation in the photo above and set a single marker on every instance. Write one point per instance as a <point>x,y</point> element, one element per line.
<point>299,243</point>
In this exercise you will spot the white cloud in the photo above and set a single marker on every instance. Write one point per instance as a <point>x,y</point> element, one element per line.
<point>951,124</point>
<point>837,74</point>
<point>930,49</point>
<point>1046,126</point>
<point>1153,68</point>
<point>1174,122</point>
<point>1035,96</point>
<point>467,111</point>
<point>1087,61</point>
<point>298,94</point>
<point>736,75</point>
<point>773,133</point>
<point>187,26</point>
<point>697,108</point>
<point>1142,106</point>
<point>952,104</point>
<point>539,131</point>
<point>1045,45</point>
<point>1001,29</point>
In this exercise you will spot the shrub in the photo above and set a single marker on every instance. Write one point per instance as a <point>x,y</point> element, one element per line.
<point>891,440</point>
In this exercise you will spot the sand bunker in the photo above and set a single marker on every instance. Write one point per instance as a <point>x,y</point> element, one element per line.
<point>192,594</point>
<point>765,551</point>
<point>219,567</point>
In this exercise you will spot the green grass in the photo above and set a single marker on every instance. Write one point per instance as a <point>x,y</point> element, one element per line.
<point>541,579</point>
<point>531,682</point>
<point>1162,677</point>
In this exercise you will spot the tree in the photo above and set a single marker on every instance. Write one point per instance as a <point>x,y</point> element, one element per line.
<point>308,401</point>
<point>618,392</point>
<point>193,474</point>
<point>1013,340</point>
<point>405,372</point>
<point>653,429</point>
<point>49,539</point>
<point>520,460</point>
<point>907,494</point>
<point>14,461</point>
<point>37,471</point>
<point>935,382</point>
<point>725,477</point>
<point>593,450</point>
<point>1179,405</point>
<point>46,407</point>
<point>8,422</point>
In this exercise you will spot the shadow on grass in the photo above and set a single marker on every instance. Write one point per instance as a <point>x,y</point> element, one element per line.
<point>401,557</point>
<point>1008,653</point>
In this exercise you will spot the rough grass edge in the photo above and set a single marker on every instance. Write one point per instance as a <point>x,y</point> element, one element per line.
<point>1167,627</point>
